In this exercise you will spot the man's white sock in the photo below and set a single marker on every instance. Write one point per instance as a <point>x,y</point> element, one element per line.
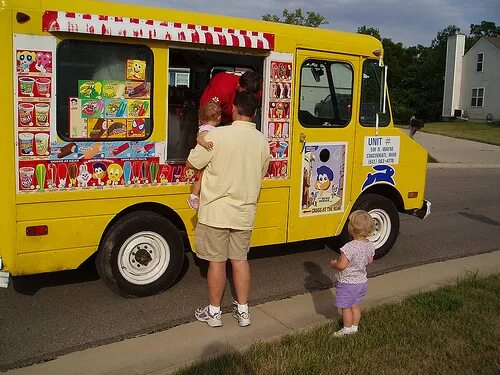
<point>213,309</point>
<point>354,328</point>
<point>243,308</point>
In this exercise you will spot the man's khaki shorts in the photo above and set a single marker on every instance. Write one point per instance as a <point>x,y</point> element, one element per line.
<point>220,244</point>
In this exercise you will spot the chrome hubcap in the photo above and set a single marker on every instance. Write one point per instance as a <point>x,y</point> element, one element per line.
<point>383,227</point>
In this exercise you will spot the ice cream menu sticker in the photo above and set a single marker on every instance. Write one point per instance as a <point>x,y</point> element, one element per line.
<point>112,108</point>
<point>278,108</point>
<point>34,85</point>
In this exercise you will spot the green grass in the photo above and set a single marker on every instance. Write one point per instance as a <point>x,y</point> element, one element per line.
<point>454,330</point>
<point>472,131</point>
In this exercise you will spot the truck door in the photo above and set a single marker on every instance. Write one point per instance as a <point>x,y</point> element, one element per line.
<point>326,92</point>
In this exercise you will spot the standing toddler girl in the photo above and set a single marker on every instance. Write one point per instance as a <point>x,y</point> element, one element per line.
<point>351,267</point>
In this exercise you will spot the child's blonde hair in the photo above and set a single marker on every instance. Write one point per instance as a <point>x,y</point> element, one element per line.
<point>211,111</point>
<point>361,224</point>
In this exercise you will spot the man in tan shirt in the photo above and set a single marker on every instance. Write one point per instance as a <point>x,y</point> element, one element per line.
<point>230,187</point>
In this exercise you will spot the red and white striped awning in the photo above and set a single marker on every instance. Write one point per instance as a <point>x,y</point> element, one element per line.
<point>152,29</point>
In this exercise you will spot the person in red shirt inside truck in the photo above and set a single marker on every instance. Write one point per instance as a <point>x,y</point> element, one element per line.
<point>223,87</point>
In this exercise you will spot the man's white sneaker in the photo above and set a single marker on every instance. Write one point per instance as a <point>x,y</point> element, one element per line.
<point>242,317</point>
<point>203,315</point>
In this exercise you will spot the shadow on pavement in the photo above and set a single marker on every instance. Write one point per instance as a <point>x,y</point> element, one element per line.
<point>319,285</point>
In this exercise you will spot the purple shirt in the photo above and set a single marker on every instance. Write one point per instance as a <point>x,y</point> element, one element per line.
<point>358,254</point>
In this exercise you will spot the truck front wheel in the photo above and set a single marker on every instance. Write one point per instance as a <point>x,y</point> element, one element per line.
<point>386,219</point>
<point>140,255</point>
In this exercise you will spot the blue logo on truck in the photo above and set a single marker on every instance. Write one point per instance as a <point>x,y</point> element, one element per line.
<point>383,173</point>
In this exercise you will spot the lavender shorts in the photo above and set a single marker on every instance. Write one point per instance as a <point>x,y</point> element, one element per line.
<point>350,294</point>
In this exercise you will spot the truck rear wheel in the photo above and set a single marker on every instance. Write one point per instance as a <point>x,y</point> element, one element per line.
<point>386,218</point>
<point>142,254</point>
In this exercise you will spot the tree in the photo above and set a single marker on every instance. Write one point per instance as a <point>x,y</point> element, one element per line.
<point>416,74</point>
<point>369,31</point>
<point>297,18</point>
<point>484,29</point>
<point>442,36</point>
<point>478,31</point>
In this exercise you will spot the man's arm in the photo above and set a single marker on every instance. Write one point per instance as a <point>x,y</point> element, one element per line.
<point>198,158</point>
<point>189,165</point>
<point>267,158</point>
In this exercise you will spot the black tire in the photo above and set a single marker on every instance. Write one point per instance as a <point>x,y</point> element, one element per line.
<point>386,219</point>
<point>141,254</point>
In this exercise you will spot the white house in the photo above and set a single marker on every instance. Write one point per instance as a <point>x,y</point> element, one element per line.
<point>472,81</point>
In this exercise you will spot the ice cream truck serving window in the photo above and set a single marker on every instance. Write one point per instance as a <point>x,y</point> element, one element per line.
<point>104,91</point>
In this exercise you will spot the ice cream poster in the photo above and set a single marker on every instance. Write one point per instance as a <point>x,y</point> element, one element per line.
<point>136,70</point>
<point>323,182</point>
<point>30,61</point>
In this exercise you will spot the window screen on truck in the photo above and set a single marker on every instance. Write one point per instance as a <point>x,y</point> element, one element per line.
<point>104,91</point>
<point>325,94</point>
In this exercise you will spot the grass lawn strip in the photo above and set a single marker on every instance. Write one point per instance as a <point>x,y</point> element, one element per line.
<point>472,131</point>
<point>453,330</point>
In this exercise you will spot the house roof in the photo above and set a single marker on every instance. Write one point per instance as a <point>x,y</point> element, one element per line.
<point>494,40</point>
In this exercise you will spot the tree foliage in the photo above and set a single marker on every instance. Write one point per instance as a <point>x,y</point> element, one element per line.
<point>416,74</point>
<point>296,17</point>
<point>369,31</point>
<point>484,29</point>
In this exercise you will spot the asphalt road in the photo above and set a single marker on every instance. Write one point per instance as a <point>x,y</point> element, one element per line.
<point>44,316</point>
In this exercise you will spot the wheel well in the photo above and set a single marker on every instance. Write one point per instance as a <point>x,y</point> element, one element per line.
<point>158,208</point>
<point>387,191</point>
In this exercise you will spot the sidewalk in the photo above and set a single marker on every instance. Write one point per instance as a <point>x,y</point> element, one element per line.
<point>168,351</point>
<point>454,152</point>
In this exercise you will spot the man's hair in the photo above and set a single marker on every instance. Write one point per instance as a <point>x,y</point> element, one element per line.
<point>251,81</point>
<point>209,112</point>
<point>246,103</point>
<point>361,223</point>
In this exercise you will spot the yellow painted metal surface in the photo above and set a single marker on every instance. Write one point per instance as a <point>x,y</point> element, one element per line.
<point>7,151</point>
<point>55,260</point>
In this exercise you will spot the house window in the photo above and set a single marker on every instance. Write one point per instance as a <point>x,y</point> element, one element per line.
<point>479,66</point>
<point>477,97</point>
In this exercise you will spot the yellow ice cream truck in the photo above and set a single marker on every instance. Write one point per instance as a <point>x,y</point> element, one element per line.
<point>100,110</point>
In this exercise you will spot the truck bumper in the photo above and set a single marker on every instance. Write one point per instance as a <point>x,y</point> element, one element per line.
<point>422,212</point>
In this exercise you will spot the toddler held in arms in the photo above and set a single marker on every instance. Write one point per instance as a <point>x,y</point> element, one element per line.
<point>209,117</point>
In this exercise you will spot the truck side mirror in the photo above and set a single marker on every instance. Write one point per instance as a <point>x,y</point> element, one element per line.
<point>383,89</point>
